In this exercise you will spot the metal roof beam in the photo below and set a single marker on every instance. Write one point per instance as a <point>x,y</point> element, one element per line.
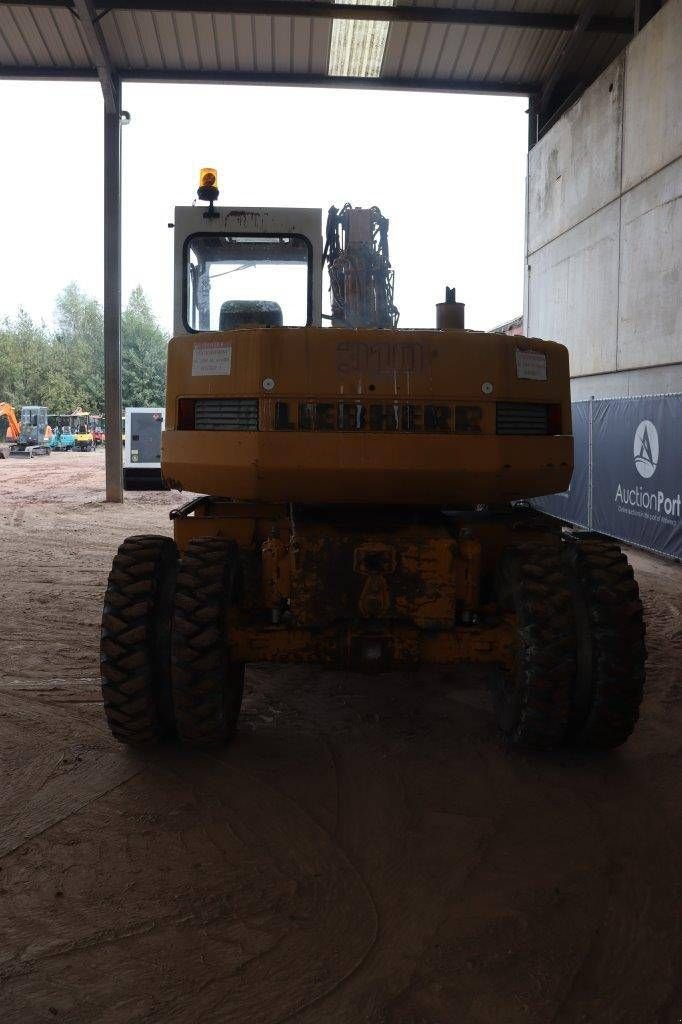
<point>358,12</point>
<point>99,54</point>
<point>567,52</point>
<point>466,86</point>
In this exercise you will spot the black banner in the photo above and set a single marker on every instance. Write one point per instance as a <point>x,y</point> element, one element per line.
<point>573,505</point>
<point>637,471</point>
<point>627,481</point>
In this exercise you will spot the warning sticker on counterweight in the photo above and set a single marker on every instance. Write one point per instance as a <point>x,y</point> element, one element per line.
<point>211,359</point>
<point>531,365</point>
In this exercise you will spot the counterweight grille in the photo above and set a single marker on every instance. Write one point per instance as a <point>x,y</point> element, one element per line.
<point>522,418</point>
<point>226,414</point>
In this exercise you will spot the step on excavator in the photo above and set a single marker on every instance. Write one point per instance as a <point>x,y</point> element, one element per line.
<point>363,498</point>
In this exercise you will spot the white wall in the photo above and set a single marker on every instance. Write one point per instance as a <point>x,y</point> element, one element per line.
<point>604,222</point>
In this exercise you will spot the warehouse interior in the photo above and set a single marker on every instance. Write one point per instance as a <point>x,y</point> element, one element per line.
<point>367,849</point>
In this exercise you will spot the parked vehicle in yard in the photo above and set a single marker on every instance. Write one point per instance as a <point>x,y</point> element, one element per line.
<point>63,439</point>
<point>35,433</point>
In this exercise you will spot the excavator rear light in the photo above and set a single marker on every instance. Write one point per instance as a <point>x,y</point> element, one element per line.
<point>186,407</point>
<point>468,419</point>
<point>554,418</point>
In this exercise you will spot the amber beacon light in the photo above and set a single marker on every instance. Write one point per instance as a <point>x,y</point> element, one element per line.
<point>208,184</point>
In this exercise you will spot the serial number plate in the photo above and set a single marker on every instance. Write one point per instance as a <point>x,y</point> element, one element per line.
<point>211,359</point>
<point>531,365</point>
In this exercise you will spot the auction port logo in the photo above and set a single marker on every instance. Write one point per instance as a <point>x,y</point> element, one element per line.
<point>645,448</point>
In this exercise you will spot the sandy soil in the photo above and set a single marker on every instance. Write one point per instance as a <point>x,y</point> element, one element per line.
<point>365,851</point>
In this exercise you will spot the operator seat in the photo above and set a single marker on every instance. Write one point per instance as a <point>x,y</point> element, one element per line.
<point>250,312</point>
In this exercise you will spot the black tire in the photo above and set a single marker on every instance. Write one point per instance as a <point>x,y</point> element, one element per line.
<point>135,640</point>
<point>207,686</point>
<point>533,701</point>
<point>611,668</point>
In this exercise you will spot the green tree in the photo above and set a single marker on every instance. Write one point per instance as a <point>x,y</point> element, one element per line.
<point>24,360</point>
<point>144,346</point>
<point>77,353</point>
<point>64,369</point>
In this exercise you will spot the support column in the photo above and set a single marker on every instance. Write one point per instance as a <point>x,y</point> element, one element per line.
<point>112,297</point>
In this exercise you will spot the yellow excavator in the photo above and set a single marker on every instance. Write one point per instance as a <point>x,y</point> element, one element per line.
<point>363,498</point>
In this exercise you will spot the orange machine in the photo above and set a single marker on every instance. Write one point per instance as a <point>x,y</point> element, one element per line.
<point>361,500</point>
<point>10,428</point>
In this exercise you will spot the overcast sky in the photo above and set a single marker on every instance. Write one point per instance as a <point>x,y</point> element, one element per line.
<point>448,171</point>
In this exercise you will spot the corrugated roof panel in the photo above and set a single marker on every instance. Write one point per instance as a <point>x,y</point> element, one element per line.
<point>113,37</point>
<point>452,44</point>
<point>166,32</point>
<point>224,31</point>
<point>69,30</point>
<point>130,35</point>
<point>189,41</point>
<point>320,44</point>
<point>395,45</point>
<point>205,36</point>
<point>505,55</point>
<point>262,44</point>
<point>357,46</point>
<point>14,40</point>
<point>31,28</point>
<point>150,41</point>
<point>464,62</point>
<point>523,58</point>
<point>282,43</point>
<point>7,56</point>
<point>58,54</point>
<point>484,63</point>
<point>301,44</point>
<point>546,44</point>
<point>433,47</point>
<point>243,39</point>
<point>203,42</point>
<point>413,46</point>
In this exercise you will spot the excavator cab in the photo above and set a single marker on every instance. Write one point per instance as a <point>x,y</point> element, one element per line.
<point>361,499</point>
<point>244,267</point>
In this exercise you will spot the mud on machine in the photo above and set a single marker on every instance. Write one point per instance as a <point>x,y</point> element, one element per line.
<point>362,492</point>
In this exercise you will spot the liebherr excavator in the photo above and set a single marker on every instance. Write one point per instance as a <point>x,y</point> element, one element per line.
<point>361,498</point>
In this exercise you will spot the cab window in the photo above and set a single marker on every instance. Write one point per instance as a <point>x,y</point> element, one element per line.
<point>237,280</point>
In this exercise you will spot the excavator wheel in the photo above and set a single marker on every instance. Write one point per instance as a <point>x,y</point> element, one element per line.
<point>611,648</point>
<point>533,701</point>
<point>135,640</point>
<point>207,686</point>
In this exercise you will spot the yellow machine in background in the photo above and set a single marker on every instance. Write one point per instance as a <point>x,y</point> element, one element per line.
<point>361,499</point>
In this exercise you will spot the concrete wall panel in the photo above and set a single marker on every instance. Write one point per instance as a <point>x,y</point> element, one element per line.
<point>573,283</point>
<point>604,222</point>
<point>648,380</point>
<point>653,96</point>
<point>574,169</point>
<point>650,321</point>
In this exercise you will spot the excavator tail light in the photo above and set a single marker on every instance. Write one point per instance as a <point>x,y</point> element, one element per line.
<point>554,419</point>
<point>186,407</point>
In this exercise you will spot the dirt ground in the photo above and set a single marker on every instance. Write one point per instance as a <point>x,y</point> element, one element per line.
<point>365,852</point>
